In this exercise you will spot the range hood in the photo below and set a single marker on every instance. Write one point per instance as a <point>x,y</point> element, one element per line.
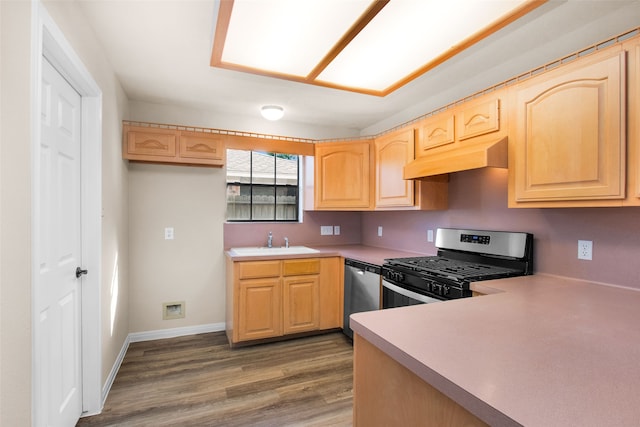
<point>480,155</point>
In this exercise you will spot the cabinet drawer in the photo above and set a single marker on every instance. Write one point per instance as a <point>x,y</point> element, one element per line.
<point>257,269</point>
<point>296,267</point>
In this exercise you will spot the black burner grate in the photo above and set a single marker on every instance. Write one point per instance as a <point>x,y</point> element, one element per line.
<point>463,270</point>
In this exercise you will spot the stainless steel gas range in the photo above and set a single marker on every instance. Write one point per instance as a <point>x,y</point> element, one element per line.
<point>464,256</point>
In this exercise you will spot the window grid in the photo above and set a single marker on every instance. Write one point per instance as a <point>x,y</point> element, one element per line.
<point>254,201</point>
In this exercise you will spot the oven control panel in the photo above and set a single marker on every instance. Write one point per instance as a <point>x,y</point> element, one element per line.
<point>475,238</point>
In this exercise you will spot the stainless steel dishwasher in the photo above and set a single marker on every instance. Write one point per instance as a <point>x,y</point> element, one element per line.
<point>361,289</point>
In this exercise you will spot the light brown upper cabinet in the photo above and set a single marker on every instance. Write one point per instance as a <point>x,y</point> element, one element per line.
<point>393,152</point>
<point>470,135</point>
<point>478,118</point>
<point>172,146</point>
<point>343,179</point>
<point>150,143</point>
<point>202,147</point>
<point>468,120</point>
<point>436,131</point>
<point>568,145</point>
<point>633,121</point>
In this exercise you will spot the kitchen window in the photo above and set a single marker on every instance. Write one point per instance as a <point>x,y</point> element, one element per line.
<point>262,186</point>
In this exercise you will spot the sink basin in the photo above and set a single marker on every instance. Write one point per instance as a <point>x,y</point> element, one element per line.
<point>262,251</point>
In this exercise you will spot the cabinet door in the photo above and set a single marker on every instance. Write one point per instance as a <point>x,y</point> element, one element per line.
<point>393,152</point>
<point>150,144</point>
<point>331,292</point>
<point>259,309</point>
<point>301,304</point>
<point>202,148</point>
<point>569,141</point>
<point>343,175</point>
<point>478,119</point>
<point>436,131</point>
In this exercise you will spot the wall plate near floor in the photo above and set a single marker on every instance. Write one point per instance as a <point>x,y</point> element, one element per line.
<point>173,310</point>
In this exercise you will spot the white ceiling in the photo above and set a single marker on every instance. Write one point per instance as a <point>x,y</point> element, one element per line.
<point>160,51</point>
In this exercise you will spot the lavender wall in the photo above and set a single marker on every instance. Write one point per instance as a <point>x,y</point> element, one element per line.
<point>478,199</point>
<point>307,233</point>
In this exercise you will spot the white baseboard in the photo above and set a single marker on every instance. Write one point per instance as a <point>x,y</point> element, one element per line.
<point>176,332</point>
<point>154,335</point>
<point>114,370</point>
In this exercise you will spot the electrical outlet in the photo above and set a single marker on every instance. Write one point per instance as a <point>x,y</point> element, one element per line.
<point>585,249</point>
<point>379,231</point>
<point>336,230</point>
<point>429,235</point>
<point>326,230</point>
<point>168,233</point>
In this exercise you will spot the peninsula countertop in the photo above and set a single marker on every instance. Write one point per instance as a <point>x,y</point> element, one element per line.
<point>538,351</point>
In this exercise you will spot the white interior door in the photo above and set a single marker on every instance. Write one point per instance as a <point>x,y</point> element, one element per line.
<point>57,292</point>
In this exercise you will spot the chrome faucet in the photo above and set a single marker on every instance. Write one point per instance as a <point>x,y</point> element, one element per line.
<point>286,242</point>
<point>270,240</point>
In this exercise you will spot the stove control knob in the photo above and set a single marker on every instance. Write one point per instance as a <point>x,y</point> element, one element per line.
<point>435,288</point>
<point>445,290</point>
<point>398,277</point>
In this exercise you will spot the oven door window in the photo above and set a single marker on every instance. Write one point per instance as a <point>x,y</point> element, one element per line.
<point>396,296</point>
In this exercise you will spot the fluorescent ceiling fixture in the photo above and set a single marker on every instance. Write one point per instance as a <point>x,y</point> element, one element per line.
<point>365,46</point>
<point>272,112</point>
<point>287,36</point>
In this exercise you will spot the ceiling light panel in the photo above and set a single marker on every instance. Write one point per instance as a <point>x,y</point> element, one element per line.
<point>287,36</point>
<point>408,34</point>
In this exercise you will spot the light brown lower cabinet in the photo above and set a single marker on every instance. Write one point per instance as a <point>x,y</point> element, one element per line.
<point>301,304</point>
<point>385,393</point>
<point>273,298</point>
<point>259,307</point>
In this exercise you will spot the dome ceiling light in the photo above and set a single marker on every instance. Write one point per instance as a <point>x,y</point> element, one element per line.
<point>272,112</point>
<point>366,46</point>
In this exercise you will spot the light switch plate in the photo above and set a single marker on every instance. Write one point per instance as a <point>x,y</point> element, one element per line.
<point>336,230</point>
<point>429,235</point>
<point>168,233</point>
<point>379,231</point>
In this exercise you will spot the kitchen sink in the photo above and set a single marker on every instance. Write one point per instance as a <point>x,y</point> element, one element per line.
<point>263,250</point>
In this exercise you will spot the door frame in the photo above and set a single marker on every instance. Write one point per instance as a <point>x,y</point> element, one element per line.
<point>49,41</point>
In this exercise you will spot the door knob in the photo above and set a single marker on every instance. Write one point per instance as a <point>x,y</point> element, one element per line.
<point>80,272</point>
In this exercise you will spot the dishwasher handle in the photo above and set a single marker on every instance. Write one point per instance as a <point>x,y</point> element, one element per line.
<point>363,266</point>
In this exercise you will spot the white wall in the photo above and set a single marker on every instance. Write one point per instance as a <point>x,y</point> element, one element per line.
<point>193,201</point>
<point>189,268</point>
<point>15,214</point>
<point>175,114</point>
<point>15,200</point>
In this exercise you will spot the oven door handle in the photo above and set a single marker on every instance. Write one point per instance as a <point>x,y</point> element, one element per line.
<point>409,294</point>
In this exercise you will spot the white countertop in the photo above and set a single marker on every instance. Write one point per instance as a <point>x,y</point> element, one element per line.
<point>540,351</point>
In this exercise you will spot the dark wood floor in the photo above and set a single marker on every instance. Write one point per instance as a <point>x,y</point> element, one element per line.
<point>199,381</point>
